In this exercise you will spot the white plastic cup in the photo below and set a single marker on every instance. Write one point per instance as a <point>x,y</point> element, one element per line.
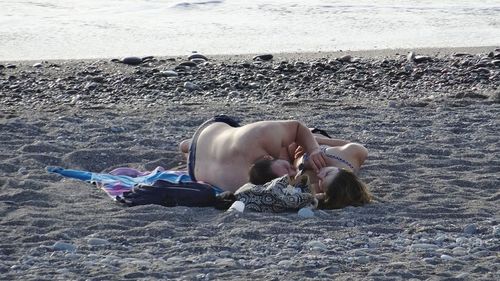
<point>237,206</point>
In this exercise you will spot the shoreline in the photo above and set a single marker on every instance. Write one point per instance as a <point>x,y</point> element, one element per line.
<point>378,77</point>
<point>369,53</point>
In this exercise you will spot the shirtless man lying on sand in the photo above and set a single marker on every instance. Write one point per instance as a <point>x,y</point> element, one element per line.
<point>221,152</point>
<point>227,155</point>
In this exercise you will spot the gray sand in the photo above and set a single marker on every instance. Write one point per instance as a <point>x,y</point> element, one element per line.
<point>433,168</point>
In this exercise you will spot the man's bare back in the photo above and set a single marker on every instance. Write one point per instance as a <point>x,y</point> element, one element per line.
<point>224,154</point>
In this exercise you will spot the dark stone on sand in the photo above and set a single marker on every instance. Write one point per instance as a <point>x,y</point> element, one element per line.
<point>188,63</point>
<point>198,61</point>
<point>470,229</point>
<point>197,56</point>
<point>264,57</point>
<point>246,65</point>
<point>131,60</point>
<point>147,58</point>
<point>496,62</point>
<point>346,58</point>
<point>462,55</point>
<point>420,59</point>
<point>2,66</point>
<point>98,79</point>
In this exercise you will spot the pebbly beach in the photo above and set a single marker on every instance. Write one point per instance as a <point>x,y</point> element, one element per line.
<point>429,118</point>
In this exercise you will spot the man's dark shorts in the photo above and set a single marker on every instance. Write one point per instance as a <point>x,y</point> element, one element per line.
<point>192,149</point>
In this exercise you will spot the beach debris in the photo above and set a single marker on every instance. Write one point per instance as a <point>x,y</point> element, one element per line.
<point>462,55</point>
<point>263,57</point>
<point>10,66</point>
<point>410,56</point>
<point>306,213</point>
<point>63,246</point>
<point>37,65</point>
<point>238,206</point>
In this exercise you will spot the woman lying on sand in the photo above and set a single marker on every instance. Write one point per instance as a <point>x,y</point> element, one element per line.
<point>226,155</point>
<point>336,185</point>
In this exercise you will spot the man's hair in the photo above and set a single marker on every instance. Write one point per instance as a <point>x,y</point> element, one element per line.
<point>261,172</point>
<point>345,190</point>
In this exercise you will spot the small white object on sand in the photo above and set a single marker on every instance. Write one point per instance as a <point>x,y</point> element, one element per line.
<point>237,206</point>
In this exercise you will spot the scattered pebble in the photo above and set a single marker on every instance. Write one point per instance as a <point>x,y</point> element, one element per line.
<point>316,245</point>
<point>97,241</point>
<point>420,59</point>
<point>345,58</point>
<point>265,57</point>
<point>306,213</point>
<point>191,86</point>
<point>167,73</point>
<point>198,61</point>
<point>63,246</point>
<point>197,56</point>
<point>22,171</point>
<point>470,229</point>
<point>188,64</point>
<point>423,247</point>
<point>447,258</point>
<point>131,60</point>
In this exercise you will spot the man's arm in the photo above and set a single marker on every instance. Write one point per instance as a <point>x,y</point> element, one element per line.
<point>276,135</point>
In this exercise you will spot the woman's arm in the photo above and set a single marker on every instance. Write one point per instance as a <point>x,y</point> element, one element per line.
<point>330,142</point>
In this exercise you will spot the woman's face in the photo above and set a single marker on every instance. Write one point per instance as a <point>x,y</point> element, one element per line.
<point>326,176</point>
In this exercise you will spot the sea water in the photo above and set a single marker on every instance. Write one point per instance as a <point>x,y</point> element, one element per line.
<point>66,29</point>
